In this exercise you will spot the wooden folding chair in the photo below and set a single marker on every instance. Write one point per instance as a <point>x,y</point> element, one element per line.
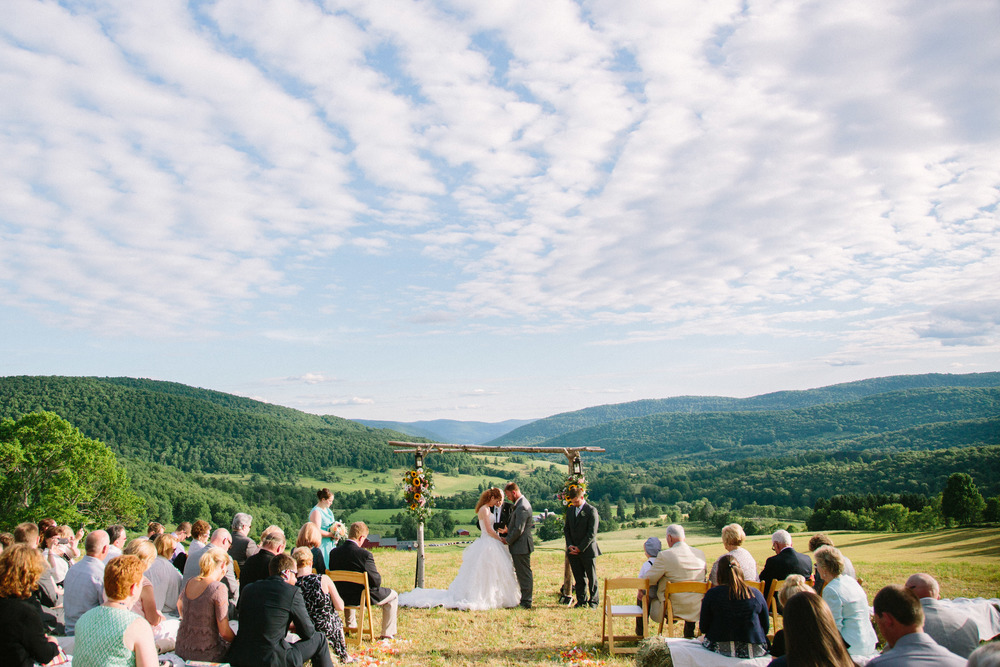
<point>609,612</point>
<point>361,609</point>
<point>678,587</point>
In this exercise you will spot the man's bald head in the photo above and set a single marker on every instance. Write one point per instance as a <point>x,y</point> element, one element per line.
<point>924,586</point>
<point>97,543</point>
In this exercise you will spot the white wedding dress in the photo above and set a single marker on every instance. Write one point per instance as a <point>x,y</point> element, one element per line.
<point>486,580</point>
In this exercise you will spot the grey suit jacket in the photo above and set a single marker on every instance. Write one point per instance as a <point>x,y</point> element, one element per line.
<point>917,649</point>
<point>519,530</point>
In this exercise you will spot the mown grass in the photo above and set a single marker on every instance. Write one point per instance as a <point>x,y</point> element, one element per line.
<point>964,561</point>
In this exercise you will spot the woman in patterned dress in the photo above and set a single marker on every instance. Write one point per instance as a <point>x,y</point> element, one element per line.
<point>322,516</point>
<point>322,602</point>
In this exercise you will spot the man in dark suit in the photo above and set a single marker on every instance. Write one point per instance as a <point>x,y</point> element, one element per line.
<point>502,516</point>
<point>266,608</point>
<point>257,567</point>
<point>351,556</point>
<point>784,562</point>
<point>580,531</point>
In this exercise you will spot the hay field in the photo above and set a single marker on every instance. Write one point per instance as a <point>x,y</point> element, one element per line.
<point>963,560</point>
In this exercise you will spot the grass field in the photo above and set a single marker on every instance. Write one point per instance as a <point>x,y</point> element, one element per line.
<point>964,561</point>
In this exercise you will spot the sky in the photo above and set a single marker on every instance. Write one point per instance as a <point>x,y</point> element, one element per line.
<point>457,209</point>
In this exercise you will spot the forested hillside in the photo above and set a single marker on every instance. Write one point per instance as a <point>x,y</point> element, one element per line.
<point>199,430</point>
<point>551,427</point>
<point>730,436</point>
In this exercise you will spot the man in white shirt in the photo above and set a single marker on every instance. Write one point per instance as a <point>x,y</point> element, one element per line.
<point>117,536</point>
<point>84,584</point>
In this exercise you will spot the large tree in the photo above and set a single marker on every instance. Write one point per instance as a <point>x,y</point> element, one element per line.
<point>48,468</point>
<point>961,499</point>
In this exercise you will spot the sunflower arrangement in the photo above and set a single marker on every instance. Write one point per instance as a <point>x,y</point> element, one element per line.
<point>418,492</point>
<point>572,482</point>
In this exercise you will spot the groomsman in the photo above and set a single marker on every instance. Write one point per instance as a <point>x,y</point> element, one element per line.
<point>580,531</point>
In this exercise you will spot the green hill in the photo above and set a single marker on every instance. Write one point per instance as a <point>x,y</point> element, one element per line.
<point>200,430</point>
<point>738,435</point>
<point>544,429</point>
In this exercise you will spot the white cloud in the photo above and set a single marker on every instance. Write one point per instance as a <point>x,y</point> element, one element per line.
<point>645,172</point>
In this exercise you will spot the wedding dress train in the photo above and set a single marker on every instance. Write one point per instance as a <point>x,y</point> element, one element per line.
<point>486,580</point>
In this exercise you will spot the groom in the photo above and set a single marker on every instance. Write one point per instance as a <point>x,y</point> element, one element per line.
<point>519,541</point>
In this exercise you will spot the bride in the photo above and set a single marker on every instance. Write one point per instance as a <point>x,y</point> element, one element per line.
<point>486,579</point>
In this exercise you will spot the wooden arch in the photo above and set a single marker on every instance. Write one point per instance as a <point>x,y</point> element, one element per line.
<point>421,449</point>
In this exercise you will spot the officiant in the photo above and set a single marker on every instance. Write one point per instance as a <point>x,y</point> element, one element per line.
<point>501,516</point>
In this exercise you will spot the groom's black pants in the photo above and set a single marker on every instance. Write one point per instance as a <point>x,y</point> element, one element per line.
<point>584,577</point>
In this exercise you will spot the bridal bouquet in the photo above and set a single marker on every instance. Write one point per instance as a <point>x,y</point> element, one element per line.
<point>418,488</point>
<point>339,531</point>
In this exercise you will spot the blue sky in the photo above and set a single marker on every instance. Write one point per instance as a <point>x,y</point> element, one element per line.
<point>492,210</point>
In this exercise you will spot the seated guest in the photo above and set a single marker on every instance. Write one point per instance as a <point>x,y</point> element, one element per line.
<point>266,608</point>
<point>947,624</point>
<point>6,541</point>
<point>255,568</point>
<point>199,541</point>
<point>84,584</point>
<point>823,540</point>
<point>678,562</point>
<point>55,554</point>
<point>181,533</point>
<point>732,540</point>
<point>847,601</point>
<point>651,549</point>
<point>243,546</point>
<point>900,619</point>
<point>205,633</point>
<point>987,655</point>
<point>111,635</point>
<point>309,536</point>
<point>153,529</point>
<point>26,533</point>
<point>223,540</point>
<point>165,577</point>
<point>117,536</point>
<point>811,637</point>
<point>322,600</point>
<point>784,562</point>
<point>145,606</point>
<point>733,615</point>
<point>794,583</point>
<point>22,637</point>
<point>351,556</point>
<point>47,593</point>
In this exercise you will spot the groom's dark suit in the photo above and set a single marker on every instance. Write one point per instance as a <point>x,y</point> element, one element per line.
<point>580,531</point>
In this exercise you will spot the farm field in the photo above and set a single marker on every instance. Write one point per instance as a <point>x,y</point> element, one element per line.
<point>963,560</point>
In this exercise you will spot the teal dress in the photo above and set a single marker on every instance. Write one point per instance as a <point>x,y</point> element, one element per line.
<point>326,522</point>
<point>99,638</point>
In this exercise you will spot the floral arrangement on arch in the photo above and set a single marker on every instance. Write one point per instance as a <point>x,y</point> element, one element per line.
<point>418,492</point>
<point>572,482</point>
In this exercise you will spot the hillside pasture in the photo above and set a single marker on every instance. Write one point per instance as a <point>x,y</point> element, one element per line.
<point>964,561</point>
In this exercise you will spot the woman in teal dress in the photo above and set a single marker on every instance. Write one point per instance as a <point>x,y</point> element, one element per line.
<point>322,516</point>
<point>112,635</point>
